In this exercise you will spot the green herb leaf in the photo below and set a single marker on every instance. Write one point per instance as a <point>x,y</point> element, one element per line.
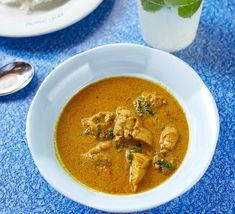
<point>109,134</point>
<point>138,105</point>
<point>142,106</point>
<point>131,152</point>
<point>136,150</point>
<point>189,10</point>
<point>130,157</point>
<point>99,130</point>
<point>148,108</point>
<point>120,145</point>
<point>164,164</point>
<point>178,2</point>
<point>152,5</point>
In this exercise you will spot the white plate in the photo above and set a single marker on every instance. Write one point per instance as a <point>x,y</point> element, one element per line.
<point>45,19</point>
<point>131,60</point>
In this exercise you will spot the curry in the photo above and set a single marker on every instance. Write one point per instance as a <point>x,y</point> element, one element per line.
<point>122,135</point>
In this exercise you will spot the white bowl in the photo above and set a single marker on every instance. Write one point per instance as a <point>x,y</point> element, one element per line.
<point>123,60</point>
<point>52,16</point>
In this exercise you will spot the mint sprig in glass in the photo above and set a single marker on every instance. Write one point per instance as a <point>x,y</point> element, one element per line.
<point>169,24</point>
<point>186,8</point>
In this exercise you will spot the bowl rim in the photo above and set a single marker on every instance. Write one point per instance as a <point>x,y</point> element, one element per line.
<point>53,21</point>
<point>125,45</point>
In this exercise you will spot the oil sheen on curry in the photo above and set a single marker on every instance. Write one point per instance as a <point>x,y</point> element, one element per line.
<point>122,135</point>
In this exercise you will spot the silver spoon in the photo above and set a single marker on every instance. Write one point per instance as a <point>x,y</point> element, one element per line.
<point>15,76</point>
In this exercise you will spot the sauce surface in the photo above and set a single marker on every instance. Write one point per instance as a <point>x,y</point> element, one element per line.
<point>117,169</point>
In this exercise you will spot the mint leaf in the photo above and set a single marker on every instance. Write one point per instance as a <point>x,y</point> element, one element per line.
<point>179,2</point>
<point>152,5</point>
<point>189,10</point>
<point>186,8</point>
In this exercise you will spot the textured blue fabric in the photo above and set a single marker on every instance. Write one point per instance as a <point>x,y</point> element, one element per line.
<point>212,55</point>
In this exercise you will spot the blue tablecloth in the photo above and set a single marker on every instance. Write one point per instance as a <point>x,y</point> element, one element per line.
<point>212,55</point>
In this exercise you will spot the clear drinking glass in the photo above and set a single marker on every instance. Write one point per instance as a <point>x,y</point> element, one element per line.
<point>169,25</point>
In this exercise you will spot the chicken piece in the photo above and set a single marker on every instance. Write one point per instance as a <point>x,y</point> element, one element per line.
<point>168,139</point>
<point>99,160</point>
<point>102,146</point>
<point>143,134</point>
<point>125,122</point>
<point>153,99</point>
<point>156,159</point>
<point>97,156</point>
<point>147,103</point>
<point>99,124</point>
<point>130,152</point>
<point>138,168</point>
<point>128,126</point>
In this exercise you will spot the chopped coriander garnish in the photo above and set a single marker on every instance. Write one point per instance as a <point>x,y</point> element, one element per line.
<point>120,145</point>
<point>164,164</point>
<point>129,157</point>
<point>131,152</point>
<point>143,107</point>
<point>136,150</point>
<point>109,134</point>
<point>148,108</point>
<point>138,106</point>
<point>99,130</point>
